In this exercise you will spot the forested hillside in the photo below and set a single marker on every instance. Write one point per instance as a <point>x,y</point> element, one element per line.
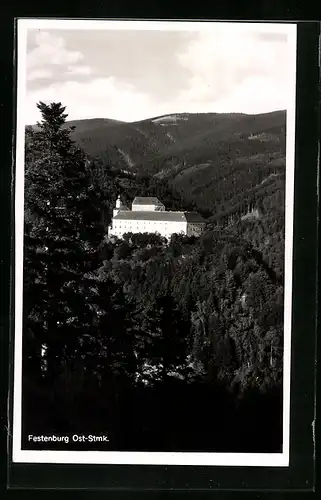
<point>148,341</point>
<point>229,167</point>
<point>223,163</point>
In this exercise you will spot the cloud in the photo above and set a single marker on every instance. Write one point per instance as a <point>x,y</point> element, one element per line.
<point>51,50</point>
<point>139,57</point>
<point>39,74</point>
<point>256,94</point>
<point>50,58</point>
<point>131,75</point>
<point>101,97</point>
<point>80,70</point>
<point>233,68</point>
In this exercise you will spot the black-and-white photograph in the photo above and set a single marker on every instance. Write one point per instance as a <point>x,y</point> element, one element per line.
<point>154,223</point>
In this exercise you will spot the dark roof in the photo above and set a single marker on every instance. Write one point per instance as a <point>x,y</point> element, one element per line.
<point>147,200</point>
<point>193,217</point>
<point>159,216</point>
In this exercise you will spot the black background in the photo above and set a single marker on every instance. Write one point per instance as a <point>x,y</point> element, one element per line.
<point>300,475</point>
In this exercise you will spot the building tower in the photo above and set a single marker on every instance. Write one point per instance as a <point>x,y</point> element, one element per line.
<point>117,206</point>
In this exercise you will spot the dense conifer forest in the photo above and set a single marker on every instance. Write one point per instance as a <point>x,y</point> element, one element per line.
<point>165,346</point>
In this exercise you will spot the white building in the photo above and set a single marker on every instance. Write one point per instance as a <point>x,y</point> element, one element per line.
<point>147,204</point>
<point>148,215</point>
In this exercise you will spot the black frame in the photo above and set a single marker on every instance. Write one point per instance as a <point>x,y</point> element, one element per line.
<point>300,475</point>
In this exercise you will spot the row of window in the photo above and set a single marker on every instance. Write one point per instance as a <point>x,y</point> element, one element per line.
<point>145,225</point>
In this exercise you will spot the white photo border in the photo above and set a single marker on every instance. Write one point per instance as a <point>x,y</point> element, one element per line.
<point>146,458</point>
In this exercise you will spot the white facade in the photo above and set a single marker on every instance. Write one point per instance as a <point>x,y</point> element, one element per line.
<point>150,216</point>
<point>164,228</point>
<point>147,204</point>
<point>148,208</point>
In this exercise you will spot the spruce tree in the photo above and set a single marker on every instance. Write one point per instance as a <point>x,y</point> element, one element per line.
<point>162,334</point>
<point>63,231</point>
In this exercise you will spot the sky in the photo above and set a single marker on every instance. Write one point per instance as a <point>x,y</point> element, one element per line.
<point>132,74</point>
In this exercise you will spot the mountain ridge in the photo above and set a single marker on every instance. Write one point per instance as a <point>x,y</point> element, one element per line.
<point>221,164</point>
<point>151,118</point>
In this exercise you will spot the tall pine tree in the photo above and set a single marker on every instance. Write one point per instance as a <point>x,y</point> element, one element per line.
<point>63,231</point>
